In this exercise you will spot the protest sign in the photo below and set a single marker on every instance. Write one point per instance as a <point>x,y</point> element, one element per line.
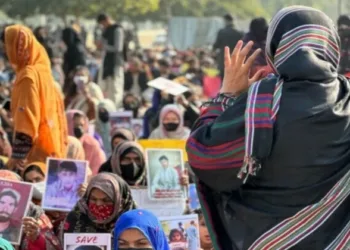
<point>63,179</point>
<point>165,168</point>
<point>81,241</point>
<point>15,198</point>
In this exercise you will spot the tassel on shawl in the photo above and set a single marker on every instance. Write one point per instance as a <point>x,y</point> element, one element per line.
<point>251,166</point>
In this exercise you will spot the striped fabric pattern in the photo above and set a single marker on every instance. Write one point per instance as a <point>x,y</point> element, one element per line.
<point>342,241</point>
<point>262,108</point>
<point>224,156</point>
<point>315,37</point>
<point>261,114</point>
<point>291,231</point>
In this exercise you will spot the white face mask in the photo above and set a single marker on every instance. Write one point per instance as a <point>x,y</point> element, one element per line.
<point>80,80</point>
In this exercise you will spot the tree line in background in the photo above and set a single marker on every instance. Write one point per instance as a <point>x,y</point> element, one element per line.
<point>157,10</point>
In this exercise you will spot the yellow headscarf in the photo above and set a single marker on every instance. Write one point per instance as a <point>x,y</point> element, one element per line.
<point>40,165</point>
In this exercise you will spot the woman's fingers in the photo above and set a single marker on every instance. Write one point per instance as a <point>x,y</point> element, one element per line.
<point>227,57</point>
<point>250,61</point>
<point>244,52</point>
<point>236,51</point>
<point>257,76</point>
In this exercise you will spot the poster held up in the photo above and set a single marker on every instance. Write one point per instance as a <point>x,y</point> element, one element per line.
<point>15,198</point>
<point>62,182</point>
<point>78,241</point>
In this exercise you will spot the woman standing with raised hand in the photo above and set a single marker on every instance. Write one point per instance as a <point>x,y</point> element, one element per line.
<point>272,156</point>
<point>40,127</point>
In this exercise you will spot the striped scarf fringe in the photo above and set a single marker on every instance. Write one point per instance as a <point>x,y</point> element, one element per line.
<point>293,230</point>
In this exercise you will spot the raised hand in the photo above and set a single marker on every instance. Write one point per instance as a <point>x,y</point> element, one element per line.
<point>237,68</point>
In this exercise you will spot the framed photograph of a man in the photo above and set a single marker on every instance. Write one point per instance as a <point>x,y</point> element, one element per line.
<point>182,231</point>
<point>15,198</point>
<point>63,179</point>
<point>137,127</point>
<point>165,168</point>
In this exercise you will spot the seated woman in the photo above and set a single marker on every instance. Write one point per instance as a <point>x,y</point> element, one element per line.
<point>34,172</point>
<point>75,149</point>
<point>88,93</point>
<point>139,229</point>
<point>37,228</point>
<point>107,197</point>
<point>132,102</point>
<point>128,162</point>
<point>103,125</point>
<point>171,124</point>
<point>121,134</point>
<point>78,126</point>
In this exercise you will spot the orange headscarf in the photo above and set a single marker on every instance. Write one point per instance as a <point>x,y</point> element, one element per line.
<point>36,104</point>
<point>23,49</point>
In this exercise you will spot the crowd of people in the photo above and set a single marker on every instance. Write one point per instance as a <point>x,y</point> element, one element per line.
<point>57,101</point>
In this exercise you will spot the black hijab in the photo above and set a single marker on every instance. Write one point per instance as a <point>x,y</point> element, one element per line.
<point>287,140</point>
<point>258,29</point>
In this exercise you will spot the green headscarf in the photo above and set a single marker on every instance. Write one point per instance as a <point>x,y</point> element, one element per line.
<point>5,245</point>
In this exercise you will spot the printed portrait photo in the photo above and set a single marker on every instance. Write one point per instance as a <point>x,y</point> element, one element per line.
<point>165,168</point>
<point>137,127</point>
<point>120,119</point>
<point>15,198</point>
<point>182,232</point>
<point>63,180</point>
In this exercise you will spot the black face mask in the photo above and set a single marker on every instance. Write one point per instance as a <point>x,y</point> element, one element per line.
<point>78,132</point>
<point>171,127</point>
<point>103,116</point>
<point>131,106</point>
<point>130,171</point>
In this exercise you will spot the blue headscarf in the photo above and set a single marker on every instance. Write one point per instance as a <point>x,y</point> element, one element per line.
<point>5,245</point>
<point>147,223</point>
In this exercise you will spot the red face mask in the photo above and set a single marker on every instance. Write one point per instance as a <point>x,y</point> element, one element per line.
<point>101,212</point>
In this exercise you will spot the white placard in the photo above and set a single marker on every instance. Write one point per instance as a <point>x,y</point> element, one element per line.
<point>78,241</point>
<point>159,207</point>
<point>167,86</point>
